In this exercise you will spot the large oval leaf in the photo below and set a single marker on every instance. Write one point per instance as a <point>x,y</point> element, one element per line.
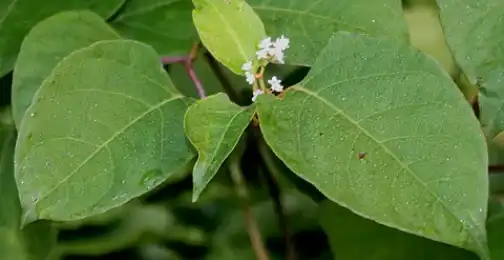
<point>36,240</point>
<point>310,24</point>
<point>230,30</point>
<point>17,17</point>
<point>105,127</point>
<point>60,35</point>
<point>379,128</point>
<point>214,126</point>
<point>473,31</point>
<point>166,25</point>
<point>353,237</point>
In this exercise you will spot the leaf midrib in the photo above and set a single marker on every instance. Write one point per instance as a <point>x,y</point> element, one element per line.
<point>229,29</point>
<point>221,139</point>
<point>385,148</point>
<point>105,144</point>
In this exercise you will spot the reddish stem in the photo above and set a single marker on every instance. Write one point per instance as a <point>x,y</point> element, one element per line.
<point>187,60</point>
<point>194,78</point>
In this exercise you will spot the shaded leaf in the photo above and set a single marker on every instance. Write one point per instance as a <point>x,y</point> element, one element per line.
<point>166,25</point>
<point>35,241</point>
<point>310,24</point>
<point>230,30</point>
<point>473,31</point>
<point>17,17</point>
<point>354,237</point>
<point>105,127</point>
<point>59,35</point>
<point>381,129</point>
<point>214,126</point>
<point>495,227</point>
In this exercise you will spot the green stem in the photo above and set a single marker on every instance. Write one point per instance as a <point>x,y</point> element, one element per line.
<point>274,191</point>
<point>250,221</point>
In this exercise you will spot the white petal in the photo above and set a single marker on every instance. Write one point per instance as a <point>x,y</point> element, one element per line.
<point>265,43</point>
<point>247,66</point>
<point>282,43</point>
<point>250,77</point>
<point>256,93</point>
<point>263,53</point>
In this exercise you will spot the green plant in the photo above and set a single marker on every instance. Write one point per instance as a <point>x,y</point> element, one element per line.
<point>163,129</point>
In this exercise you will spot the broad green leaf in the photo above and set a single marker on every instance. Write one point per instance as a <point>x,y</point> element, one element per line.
<point>381,129</point>
<point>214,126</point>
<point>36,240</point>
<point>17,17</point>
<point>166,25</point>
<point>230,30</point>
<point>354,237</point>
<point>105,127</point>
<point>59,35</point>
<point>473,31</point>
<point>310,24</point>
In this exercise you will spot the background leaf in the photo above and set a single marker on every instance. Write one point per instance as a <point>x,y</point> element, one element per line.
<point>310,24</point>
<point>35,241</point>
<point>230,30</point>
<point>59,35</point>
<point>214,126</point>
<point>166,25</point>
<point>473,31</point>
<point>354,237</point>
<point>379,128</point>
<point>17,17</point>
<point>105,127</point>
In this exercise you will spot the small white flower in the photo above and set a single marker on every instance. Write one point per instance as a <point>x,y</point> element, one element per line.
<point>256,93</point>
<point>250,77</point>
<point>275,84</point>
<point>247,66</point>
<point>281,43</point>
<point>277,55</point>
<point>263,53</point>
<point>265,43</point>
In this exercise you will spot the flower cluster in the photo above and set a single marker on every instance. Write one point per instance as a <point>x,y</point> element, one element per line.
<point>269,51</point>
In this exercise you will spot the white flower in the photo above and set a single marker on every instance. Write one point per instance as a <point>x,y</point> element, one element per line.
<point>278,55</point>
<point>250,77</point>
<point>256,93</point>
<point>265,43</point>
<point>281,43</point>
<point>275,84</point>
<point>263,53</point>
<point>247,66</point>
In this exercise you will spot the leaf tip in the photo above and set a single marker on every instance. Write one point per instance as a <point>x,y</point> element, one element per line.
<point>29,216</point>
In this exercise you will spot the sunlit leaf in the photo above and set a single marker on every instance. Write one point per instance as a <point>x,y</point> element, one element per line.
<point>381,129</point>
<point>105,127</point>
<point>214,126</point>
<point>46,45</point>
<point>230,30</point>
<point>166,25</point>
<point>310,24</point>
<point>17,17</point>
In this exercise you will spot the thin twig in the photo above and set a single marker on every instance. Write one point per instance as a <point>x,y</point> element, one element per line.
<point>223,79</point>
<point>250,222</point>
<point>197,83</point>
<point>174,59</point>
<point>188,60</point>
<point>275,193</point>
